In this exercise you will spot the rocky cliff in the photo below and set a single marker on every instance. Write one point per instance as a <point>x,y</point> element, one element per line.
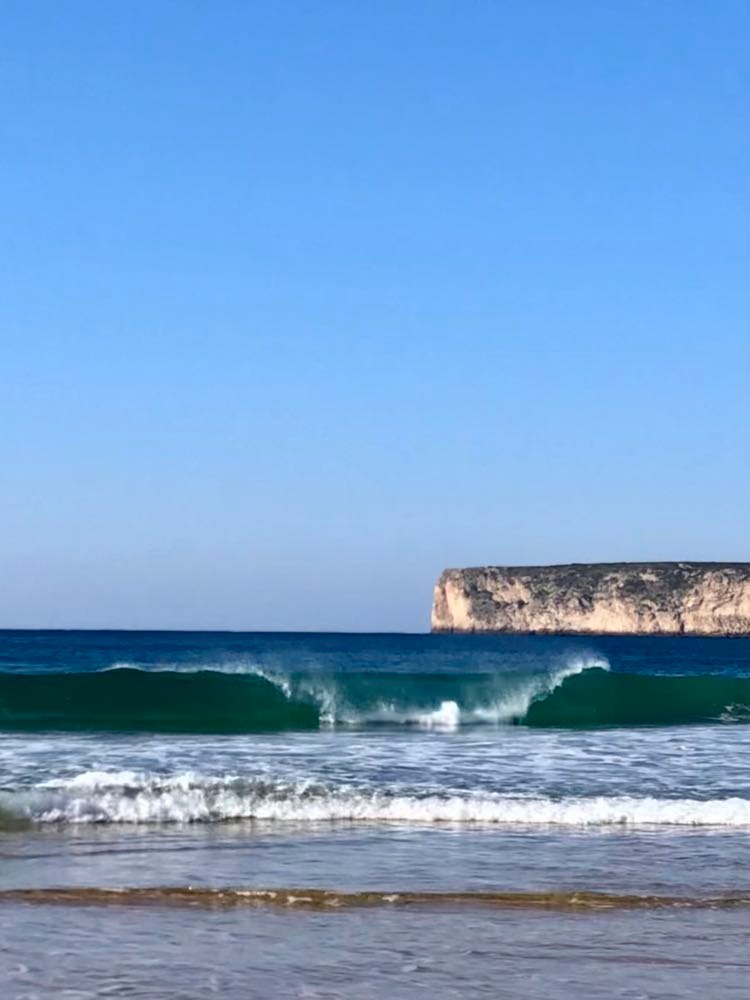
<point>625,598</point>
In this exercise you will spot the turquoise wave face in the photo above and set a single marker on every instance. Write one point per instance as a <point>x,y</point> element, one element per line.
<point>128,699</point>
<point>602,698</point>
<point>209,701</point>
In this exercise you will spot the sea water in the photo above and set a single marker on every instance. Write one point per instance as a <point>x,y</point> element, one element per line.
<point>348,815</point>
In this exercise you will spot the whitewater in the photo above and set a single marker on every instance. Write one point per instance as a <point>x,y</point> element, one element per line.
<point>127,729</point>
<point>103,797</point>
<point>267,795</point>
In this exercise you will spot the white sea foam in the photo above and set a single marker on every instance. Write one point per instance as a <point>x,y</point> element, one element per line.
<point>447,716</point>
<point>140,797</point>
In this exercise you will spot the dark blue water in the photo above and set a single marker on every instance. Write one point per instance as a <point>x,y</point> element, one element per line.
<point>72,651</point>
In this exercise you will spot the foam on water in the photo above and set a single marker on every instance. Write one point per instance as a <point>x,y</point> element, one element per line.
<point>189,797</point>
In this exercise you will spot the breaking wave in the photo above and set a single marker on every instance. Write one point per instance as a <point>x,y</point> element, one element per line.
<point>579,692</point>
<point>143,797</point>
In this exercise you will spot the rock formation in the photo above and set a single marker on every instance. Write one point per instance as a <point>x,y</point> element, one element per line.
<point>660,598</point>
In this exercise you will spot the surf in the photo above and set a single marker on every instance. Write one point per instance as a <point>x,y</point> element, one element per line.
<point>580,691</point>
<point>246,698</point>
<point>141,797</point>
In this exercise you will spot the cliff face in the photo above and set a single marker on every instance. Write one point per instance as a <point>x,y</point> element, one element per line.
<point>624,598</point>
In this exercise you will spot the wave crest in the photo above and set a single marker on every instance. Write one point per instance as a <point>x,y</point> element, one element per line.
<point>581,691</point>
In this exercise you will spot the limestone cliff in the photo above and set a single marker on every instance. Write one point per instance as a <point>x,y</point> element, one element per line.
<point>658,598</point>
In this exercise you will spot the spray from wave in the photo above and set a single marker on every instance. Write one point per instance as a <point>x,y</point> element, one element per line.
<point>579,691</point>
<point>247,698</point>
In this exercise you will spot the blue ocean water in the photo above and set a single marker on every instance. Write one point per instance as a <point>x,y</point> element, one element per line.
<point>394,764</point>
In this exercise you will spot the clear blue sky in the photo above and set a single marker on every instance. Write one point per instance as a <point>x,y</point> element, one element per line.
<point>302,302</point>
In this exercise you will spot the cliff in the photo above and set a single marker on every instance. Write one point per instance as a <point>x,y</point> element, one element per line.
<point>624,598</point>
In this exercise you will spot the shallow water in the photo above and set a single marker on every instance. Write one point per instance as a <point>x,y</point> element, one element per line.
<point>407,797</point>
<point>238,954</point>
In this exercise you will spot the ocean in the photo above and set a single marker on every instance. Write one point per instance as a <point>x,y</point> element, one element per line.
<point>186,814</point>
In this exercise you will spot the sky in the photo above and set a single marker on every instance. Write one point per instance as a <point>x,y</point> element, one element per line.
<point>303,302</point>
